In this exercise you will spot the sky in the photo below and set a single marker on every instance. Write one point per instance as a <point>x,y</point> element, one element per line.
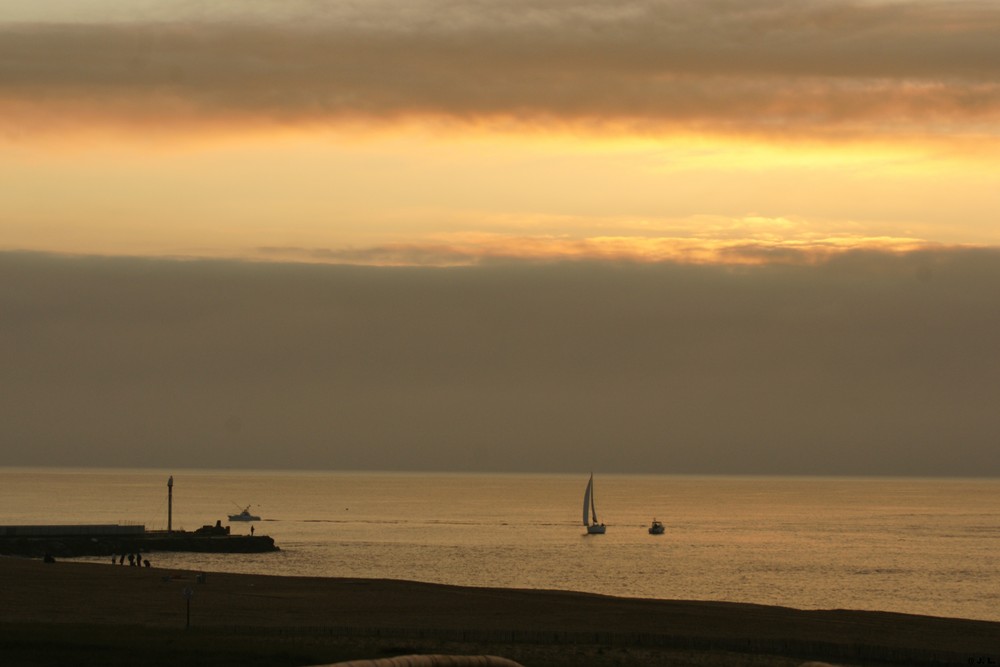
<point>754,237</point>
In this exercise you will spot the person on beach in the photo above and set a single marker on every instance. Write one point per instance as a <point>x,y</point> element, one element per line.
<point>251,531</point>
<point>121,561</point>
<point>131,560</point>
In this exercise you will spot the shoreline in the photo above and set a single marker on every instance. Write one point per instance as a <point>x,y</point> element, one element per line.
<point>365,617</point>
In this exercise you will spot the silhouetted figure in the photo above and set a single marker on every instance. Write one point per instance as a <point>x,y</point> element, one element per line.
<point>251,531</point>
<point>131,560</point>
<point>121,561</point>
<point>145,562</point>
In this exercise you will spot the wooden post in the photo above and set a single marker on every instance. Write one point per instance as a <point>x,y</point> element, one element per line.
<point>170,504</point>
<point>188,594</point>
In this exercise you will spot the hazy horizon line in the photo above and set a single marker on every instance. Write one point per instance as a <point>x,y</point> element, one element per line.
<point>173,470</point>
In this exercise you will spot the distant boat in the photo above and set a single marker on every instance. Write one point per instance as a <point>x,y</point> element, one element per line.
<point>593,528</point>
<point>656,528</point>
<point>244,515</point>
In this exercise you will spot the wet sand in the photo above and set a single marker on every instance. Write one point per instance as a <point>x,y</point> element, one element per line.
<point>138,616</point>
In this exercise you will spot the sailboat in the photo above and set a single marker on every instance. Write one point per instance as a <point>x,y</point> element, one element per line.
<point>593,528</point>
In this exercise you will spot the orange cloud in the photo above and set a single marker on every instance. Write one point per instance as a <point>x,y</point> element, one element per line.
<point>476,249</point>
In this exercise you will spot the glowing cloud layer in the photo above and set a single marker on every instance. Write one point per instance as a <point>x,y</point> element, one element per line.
<point>462,131</point>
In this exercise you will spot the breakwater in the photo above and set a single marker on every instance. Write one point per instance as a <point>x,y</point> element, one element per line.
<point>90,540</point>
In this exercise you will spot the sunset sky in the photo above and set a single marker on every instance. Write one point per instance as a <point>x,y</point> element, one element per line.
<point>664,163</point>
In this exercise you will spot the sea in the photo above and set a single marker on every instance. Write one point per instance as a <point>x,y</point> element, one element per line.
<point>918,546</point>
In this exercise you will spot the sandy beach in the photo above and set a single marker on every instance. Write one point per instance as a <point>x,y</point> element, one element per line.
<point>86,613</point>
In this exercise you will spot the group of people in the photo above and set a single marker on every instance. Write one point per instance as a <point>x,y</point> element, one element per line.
<point>134,560</point>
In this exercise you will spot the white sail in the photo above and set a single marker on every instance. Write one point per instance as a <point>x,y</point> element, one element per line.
<point>593,502</point>
<point>586,501</point>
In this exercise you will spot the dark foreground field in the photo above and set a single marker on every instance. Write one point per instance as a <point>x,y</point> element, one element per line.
<point>69,613</point>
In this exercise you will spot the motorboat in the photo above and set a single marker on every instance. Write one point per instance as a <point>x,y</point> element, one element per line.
<point>245,515</point>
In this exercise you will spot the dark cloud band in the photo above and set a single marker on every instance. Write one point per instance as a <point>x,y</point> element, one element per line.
<point>741,67</point>
<point>869,363</point>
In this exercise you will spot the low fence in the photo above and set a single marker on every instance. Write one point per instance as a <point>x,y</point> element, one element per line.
<point>796,648</point>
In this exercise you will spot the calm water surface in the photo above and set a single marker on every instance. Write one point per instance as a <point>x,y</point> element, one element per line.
<point>909,545</point>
